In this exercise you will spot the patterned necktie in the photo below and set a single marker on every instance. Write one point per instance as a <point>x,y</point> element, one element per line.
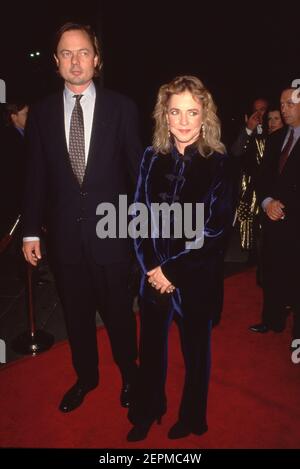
<point>285,152</point>
<point>76,140</point>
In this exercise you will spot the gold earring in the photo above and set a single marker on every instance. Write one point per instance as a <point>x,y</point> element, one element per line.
<point>169,133</point>
<point>203,131</point>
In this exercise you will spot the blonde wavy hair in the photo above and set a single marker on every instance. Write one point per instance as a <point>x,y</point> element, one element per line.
<point>209,138</point>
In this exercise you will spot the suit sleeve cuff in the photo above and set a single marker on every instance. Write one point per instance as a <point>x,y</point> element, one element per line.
<point>265,202</point>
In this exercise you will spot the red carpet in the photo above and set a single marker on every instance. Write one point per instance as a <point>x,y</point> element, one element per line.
<point>253,401</point>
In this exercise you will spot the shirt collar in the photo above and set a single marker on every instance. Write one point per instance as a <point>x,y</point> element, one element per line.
<point>88,93</point>
<point>21,131</point>
<point>189,151</point>
<point>296,132</point>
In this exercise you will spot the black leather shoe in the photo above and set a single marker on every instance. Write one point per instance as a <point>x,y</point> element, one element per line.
<point>140,431</point>
<point>261,328</point>
<point>180,430</point>
<point>125,395</point>
<point>75,396</point>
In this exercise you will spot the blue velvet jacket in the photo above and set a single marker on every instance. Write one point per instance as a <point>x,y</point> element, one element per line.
<point>188,178</point>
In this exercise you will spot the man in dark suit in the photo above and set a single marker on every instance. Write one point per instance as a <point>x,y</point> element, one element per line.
<point>84,149</point>
<point>279,194</point>
<point>251,130</point>
<point>248,150</point>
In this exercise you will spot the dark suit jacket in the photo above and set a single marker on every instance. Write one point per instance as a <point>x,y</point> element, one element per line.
<point>112,168</point>
<point>281,238</point>
<point>187,179</point>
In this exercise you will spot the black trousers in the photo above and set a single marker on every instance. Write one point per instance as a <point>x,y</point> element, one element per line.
<point>84,288</point>
<point>274,313</point>
<point>281,276</point>
<point>149,400</point>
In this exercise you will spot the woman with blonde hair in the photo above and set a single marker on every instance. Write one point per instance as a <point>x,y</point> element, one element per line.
<point>186,165</point>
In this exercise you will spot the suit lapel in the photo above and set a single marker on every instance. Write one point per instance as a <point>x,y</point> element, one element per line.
<point>293,156</point>
<point>100,130</point>
<point>58,124</point>
<point>99,133</point>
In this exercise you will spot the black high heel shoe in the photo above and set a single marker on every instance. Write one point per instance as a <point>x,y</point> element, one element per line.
<point>140,430</point>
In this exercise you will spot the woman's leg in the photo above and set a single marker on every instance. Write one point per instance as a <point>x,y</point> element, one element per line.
<point>195,332</point>
<point>149,401</point>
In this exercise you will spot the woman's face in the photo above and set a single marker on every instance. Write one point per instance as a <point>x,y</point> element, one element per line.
<point>274,121</point>
<point>184,117</point>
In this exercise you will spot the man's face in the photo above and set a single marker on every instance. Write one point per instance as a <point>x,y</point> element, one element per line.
<point>75,58</point>
<point>19,119</point>
<point>260,106</point>
<point>290,109</point>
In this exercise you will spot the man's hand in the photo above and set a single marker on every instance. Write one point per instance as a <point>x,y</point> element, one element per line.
<point>253,121</point>
<point>274,210</point>
<point>32,251</point>
<point>158,281</point>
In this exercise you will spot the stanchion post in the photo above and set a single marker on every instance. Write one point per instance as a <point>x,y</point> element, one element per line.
<point>32,341</point>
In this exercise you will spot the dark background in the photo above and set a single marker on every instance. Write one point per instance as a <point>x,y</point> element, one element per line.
<point>240,51</point>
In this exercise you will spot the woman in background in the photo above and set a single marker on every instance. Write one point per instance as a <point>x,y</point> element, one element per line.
<point>274,120</point>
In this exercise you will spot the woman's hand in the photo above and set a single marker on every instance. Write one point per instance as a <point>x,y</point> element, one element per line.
<point>158,281</point>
